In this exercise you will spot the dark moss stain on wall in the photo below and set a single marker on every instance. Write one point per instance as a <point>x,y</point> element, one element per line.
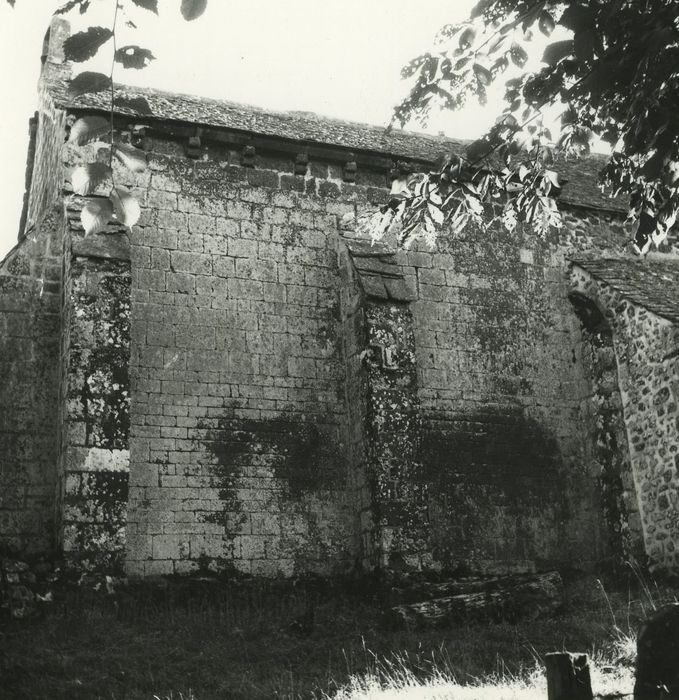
<point>495,484</point>
<point>497,445</point>
<point>303,455</point>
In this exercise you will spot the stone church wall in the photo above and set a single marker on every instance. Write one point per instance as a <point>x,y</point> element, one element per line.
<point>243,392</point>
<point>259,431</point>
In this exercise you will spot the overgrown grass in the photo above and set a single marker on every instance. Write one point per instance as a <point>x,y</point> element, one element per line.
<point>237,644</point>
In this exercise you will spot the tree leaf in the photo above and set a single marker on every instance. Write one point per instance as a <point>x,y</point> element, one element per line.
<point>501,65</point>
<point>577,18</point>
<point>86,178</point>
<point>134,57</point>
<point>151,5</point>
<point>518,55</point>
<point>480,8</point>
<point>88,82</point>
<point>413,66</point>
<point>138,104</point>
<point>132,158</point>
<point>461,63</point>
<point>68,6</point>
<point>82,5</point>
<point>546,23</point>
<point>496,43</point>
<point>557,51</point>
<point>435,213</point>
<point>583,45</point>
<point>467,37</point>
<point>569,116</point>
<point>483,75</point>
<point>125,206</point>
<point>95,215</point>
<point>193,9</point>
<point>84,45</point>
<point>88,129</point>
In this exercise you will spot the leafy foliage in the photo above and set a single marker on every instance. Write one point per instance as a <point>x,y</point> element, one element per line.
<point>151,5</point>
<point>125,207</point>
<point>192,9</point>
<point>96,214</point>
<point>120,203</point>
<point>137,104</point>
<point>615,75</point>
<point>86,178</point>
<point>88,82</point>
<point>134,57</point>
<point>84,45</point>
<point>88,129</point>
<point>132,158</point>
<point>82,5</point>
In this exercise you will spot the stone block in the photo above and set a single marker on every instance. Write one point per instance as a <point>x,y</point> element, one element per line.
<point>158,199</point>
<point>196,263</point>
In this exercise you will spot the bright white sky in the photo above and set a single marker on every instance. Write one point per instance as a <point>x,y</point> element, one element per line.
<point>341,59</point>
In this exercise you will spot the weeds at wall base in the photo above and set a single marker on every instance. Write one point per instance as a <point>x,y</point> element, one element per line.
<point>201,643</point>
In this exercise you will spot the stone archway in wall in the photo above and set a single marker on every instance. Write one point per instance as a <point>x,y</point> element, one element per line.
<point>609,440</point>
<point>638,302</point>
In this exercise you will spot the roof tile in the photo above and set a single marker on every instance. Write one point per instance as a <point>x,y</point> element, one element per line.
<point>651,283</point>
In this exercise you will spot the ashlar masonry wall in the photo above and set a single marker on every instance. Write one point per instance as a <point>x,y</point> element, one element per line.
<point>29,406</point>
<point>240,431</point>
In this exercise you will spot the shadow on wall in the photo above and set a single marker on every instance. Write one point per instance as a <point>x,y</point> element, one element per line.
<point>498,491</point>
<point>609,436</point>
<point>303,456</point>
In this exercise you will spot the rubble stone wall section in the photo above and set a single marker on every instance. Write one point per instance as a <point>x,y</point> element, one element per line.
<point>399,492</point>
<point>94,464</point>
<point>647,351</point>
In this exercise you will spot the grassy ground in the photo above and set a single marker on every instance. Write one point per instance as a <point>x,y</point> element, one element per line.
<point>201,645</point>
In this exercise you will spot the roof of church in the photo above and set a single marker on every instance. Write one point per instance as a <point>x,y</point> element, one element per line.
<point>651,283</point>
<point>310,128</point>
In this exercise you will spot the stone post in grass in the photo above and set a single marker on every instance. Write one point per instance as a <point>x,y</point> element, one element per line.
<point>568,677</point>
